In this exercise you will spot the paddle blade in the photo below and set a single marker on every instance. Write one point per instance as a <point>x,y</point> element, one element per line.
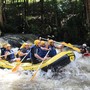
<point>36,71</point>
<point>34,75</point>
<point>71,46</point>
<point>75,48</point>
<point>38,67</point>
<point>16,68</point>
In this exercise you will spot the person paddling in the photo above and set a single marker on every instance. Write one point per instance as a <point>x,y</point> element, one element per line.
<point>36,58</point>
<point>84,49</point>
<point>53,47</point>
<point>3,49</point>
<point>43,49</point>
<point>24,51</point>
<point>9,54</point>
<point>23,45</point>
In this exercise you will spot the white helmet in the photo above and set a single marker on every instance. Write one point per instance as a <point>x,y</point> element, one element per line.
<point>84,45</point>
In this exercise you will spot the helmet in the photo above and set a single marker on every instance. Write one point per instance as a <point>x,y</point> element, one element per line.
<point>8,45</point>
<point>84,45</point>
<point>36,42</point>
<point>23,45</point>
<point>50,41</point>
<point>42,43</point>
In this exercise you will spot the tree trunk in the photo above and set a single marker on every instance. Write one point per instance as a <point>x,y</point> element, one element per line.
<point>42,17</point>
<point>88,11</point>
<point>1,19</point>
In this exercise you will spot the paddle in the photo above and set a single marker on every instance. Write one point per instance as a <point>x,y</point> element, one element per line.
<point>66,44</point>
<point>6,55</point>
<point>2,56</point>
<point>17,66</point>
<point>38,67</point>
<point>71,46</point>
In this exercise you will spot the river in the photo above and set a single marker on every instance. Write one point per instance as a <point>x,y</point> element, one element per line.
<point>75,76</point>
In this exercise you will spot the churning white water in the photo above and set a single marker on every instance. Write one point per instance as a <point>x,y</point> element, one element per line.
<point>74,76</point>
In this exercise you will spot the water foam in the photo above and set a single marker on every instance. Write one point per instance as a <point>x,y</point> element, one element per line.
<point>74,76</point>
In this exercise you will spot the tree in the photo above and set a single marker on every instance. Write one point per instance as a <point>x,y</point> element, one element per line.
<point>1,19</point>
<point>87,4</point>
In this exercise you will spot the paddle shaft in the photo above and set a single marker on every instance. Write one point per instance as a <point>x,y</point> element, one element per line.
<point>71,46</point>
<point>25,56</point>
<point>39,67</point>
<point>6,55</point>
<point>48,39</point>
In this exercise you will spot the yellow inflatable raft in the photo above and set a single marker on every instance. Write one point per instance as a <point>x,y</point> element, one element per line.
<point>61,59</point>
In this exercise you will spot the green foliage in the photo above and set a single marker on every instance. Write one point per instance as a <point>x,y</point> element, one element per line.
<point>64,19</point>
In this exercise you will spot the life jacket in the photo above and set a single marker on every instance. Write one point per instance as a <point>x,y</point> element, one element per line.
<point>11,56</point>
<point>42,52</point>
<point>52,51</point>
<point>29,55</point>
<point>26,51</point>
<point>3,50</point>
<point>34,49</point>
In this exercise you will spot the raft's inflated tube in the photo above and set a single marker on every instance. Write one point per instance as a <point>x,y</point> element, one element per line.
<point>61,62</point>
<point>61,59</point>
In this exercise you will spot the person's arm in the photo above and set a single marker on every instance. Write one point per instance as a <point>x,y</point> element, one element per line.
<point>59,47</point>
<point>45,48</point>
<point>87,50</point>
<point>21,52</point>
<point>6,54</point>
<point>38,57</point>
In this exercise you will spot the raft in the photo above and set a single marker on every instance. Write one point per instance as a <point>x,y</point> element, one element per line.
<point>61,59</point>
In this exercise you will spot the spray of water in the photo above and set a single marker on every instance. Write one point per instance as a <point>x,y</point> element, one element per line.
<point>74,76</point>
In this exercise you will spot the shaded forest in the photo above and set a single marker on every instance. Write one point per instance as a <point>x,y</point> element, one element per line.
<point>62,20</point>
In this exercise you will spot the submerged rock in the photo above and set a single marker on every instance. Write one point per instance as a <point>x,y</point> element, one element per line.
<point>18,39</point>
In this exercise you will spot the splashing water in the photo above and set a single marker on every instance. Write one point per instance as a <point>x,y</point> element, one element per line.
<point>74,76</point>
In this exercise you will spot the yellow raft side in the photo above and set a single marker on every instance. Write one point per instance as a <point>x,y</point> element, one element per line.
<point>30,66</point>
